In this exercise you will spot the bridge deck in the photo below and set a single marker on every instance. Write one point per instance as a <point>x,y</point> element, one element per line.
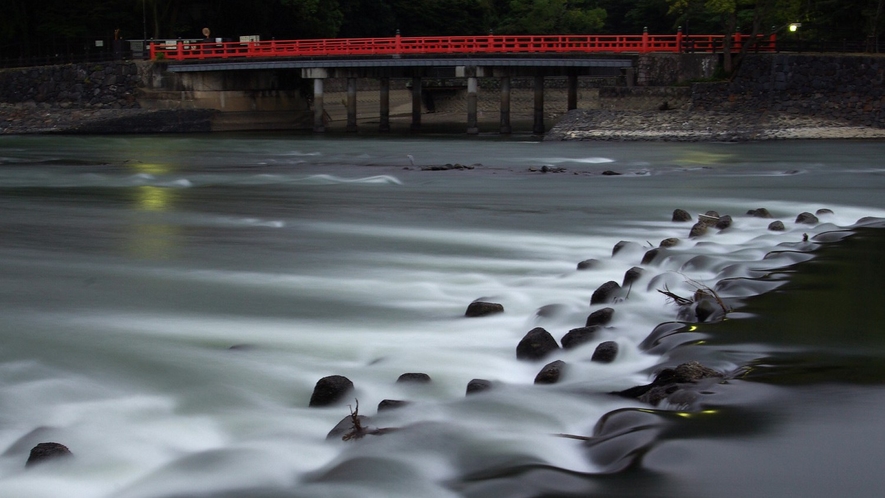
<point>559,62</point>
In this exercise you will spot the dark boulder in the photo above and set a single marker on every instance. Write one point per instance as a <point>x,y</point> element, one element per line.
<point>724,222</point>
<point>670,242</point>
<point>578,336</point>
<point>600,317</point>
<point>632,275</point>
<point>536,344</point>
<point>650,256</point>
<point>478,385</point>
<point>681,215</point>
<point>777,226</point>
<point>47,451</point>
<point>391,404</point>
<point>589,264</point>
<point>699,229</point>
<point>807,219</point>
<point>625,245</point>
<point>605,352</point>
<point>482,308</point>
<point>609,172</point>
<point>669,381</point>
<point>823,211</point>
<point>551,373</point>
<point>605,293</point>
<point>705,308</point>
<point>414,378</point>
<point>759,213</point>
<point>330,390</point>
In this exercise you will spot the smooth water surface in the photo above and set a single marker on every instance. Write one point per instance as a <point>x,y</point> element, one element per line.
<point>168,304</point>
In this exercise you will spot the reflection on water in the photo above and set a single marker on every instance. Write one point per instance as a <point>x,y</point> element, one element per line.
<point>169,303</point>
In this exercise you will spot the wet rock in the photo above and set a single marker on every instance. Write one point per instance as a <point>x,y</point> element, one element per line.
<point>759,213</point>
<point>550,310</point>
<point>589,264</point>
<point>551,373</point>
<point>807,218</point>
<point>823,211</point>
<point>624,246</point>
<point>600,317</point>
<point>578,336</point>
<point>705,308</point>
<point>478,385</point>
<point>681,215</point>
<point>605,352</point>
<point>777,226</point>
<point>669,381</point>
<point>47,451</point>
<point>609,172</point>
<point>482,308</point>
<point>724,222</point>
<point>699,229</point>
<point>632,275</point>
<point>536,344</point>
<point>605,293</point>
<point>330,390</point>
<point>671,242</point>
<point>413,378</point>
<point>650,256</point>
<point>391,404</point>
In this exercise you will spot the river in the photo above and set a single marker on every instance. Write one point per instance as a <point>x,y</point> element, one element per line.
<point>168,304</point>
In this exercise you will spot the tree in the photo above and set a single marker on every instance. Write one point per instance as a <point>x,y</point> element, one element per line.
<point>552,17</point>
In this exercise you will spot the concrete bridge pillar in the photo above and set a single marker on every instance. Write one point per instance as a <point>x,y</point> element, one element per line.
<point>384,103</point>
<point>538,126</point>
<point>472,128</point>
<point>572,90</point>
<point>351,105</point>
<point>416,103</point>
<point>505,105</point>
<point>319,124</point>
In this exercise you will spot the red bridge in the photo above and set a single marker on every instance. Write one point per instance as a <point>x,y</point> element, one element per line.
<point>449,45</point>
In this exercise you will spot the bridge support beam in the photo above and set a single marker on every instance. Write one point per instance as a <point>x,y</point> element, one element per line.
<point>538,126</point>
<point>384,103</point>
<point>351,105</point>
<point>572,98</point>
<point>416,103</point>
<point>472,128</point>
<point>505,105</point>
<point>319,124</point>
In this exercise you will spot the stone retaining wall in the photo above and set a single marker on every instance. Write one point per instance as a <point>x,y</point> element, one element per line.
<point>842,87</point>
<point>105,86</point>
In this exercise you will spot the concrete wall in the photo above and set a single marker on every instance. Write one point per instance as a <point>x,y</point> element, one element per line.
<point>673,69</point>
<point>848,87</point>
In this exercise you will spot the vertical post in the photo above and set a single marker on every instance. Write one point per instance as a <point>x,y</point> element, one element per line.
<point>644,40</point>
<point>319,125</point>
<point>351,104</point>
<point>384,99</point>
<point>572,90</point>
<point>472,128</point>
<point>416,103</point>
<point>538,126</point>
<point>736,45</point>
<point>398,46</point>
<point>679,40</point>
<point>505,105</point>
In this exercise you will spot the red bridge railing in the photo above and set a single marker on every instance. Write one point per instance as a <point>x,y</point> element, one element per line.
<point>180,50</point>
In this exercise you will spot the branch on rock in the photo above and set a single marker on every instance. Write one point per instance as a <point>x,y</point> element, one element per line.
<point>681,301</point>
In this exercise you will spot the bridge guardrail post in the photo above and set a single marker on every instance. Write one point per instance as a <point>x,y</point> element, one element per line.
<point>644,48</point>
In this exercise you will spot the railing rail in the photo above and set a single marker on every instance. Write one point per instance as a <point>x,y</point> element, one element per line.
<point>181,50</point>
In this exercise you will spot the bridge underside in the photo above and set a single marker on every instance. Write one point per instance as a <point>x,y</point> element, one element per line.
<point>416,69</point>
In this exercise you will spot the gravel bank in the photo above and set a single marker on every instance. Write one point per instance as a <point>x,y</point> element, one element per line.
<point>694,126</point>
<point>20,119</point>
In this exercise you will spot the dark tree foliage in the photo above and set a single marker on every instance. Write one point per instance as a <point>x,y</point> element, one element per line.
<point>45,27</point>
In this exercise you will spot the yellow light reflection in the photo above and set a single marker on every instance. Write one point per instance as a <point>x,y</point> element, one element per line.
<point>152,168</point>
<point>153,198</point>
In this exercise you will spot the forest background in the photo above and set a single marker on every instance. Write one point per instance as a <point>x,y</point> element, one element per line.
<point>31,28</point>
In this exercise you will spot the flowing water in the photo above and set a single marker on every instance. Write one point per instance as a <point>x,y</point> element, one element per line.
<point>167,305</point>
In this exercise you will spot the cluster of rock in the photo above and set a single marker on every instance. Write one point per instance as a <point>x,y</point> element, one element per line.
<point>677,386</point>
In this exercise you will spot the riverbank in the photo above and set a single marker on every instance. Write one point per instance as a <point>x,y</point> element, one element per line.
<point>674,125</point>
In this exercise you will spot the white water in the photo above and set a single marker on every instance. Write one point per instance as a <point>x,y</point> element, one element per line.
<point>126,278</point>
